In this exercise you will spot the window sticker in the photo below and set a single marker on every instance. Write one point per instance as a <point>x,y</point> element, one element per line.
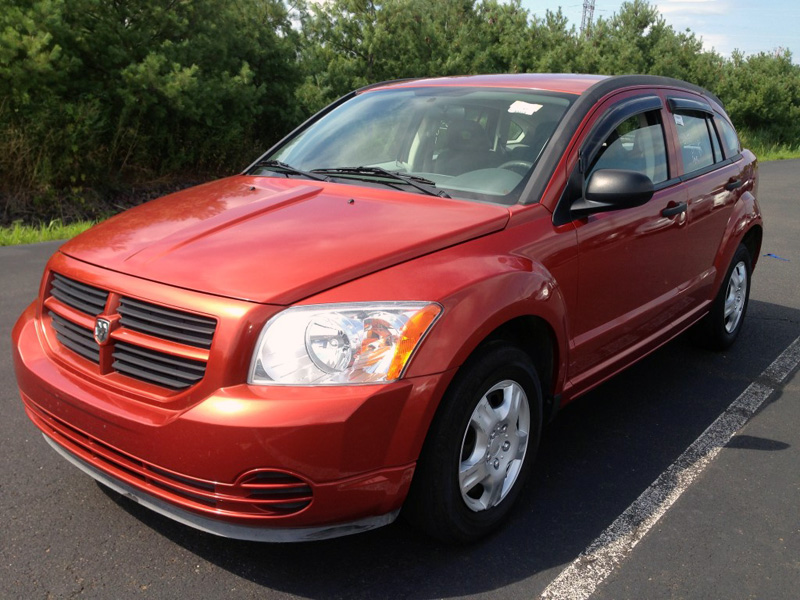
<point>678,120</point>
<point>525,108</point>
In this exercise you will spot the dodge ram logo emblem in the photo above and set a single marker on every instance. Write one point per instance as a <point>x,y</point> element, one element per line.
<point>101,329</point>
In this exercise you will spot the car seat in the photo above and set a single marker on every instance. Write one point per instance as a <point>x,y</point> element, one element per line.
<point>467,149</point>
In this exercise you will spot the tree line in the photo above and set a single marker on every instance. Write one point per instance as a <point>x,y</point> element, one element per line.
<point>99,97</point>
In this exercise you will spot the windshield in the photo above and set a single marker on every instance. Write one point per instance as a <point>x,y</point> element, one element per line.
<point>472,143</point>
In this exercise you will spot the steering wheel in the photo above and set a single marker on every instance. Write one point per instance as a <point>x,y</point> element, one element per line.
<point>518,166</point>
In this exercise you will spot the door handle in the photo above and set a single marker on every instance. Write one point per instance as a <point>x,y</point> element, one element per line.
<point>671,211</point>
<point>733,184</point>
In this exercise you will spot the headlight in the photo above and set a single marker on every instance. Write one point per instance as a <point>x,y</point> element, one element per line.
<point>338,344</point>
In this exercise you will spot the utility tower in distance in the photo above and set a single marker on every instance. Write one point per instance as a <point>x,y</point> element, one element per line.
<point>588,15</point>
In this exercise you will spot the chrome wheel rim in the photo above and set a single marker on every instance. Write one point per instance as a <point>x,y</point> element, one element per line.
<point>735,297</point>
<point>494,445</point>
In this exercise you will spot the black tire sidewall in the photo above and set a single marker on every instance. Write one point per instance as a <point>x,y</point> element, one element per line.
<point>436,482</point>
<point>720,338</point>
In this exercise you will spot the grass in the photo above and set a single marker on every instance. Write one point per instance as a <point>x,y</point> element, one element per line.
<point>765,148</point>
<point>31,234</point>
<point>777,152</point>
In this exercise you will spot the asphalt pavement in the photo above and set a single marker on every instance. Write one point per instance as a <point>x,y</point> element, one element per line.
<point>734,533</point>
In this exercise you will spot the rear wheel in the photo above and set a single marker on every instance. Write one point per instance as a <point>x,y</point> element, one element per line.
<point>480,447</point>
<point>721,326</point>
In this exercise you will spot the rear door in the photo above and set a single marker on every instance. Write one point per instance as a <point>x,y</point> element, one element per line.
<point>712,171</point>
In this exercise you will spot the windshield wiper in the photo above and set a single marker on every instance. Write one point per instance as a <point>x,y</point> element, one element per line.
<point>426,186</point>
<point>282,167</point>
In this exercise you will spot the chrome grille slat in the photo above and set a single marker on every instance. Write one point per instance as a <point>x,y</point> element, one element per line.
<point>82,297</point>
<point>76,338</point>
<point>166,323</point>
<point>156,367</point>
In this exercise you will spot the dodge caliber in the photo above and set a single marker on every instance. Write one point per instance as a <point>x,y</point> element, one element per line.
<point>382,311</point>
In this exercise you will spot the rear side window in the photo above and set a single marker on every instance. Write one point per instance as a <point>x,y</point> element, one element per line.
<point>515,133</point>
<point>637,144</point>
<point>698,141</point>
<point>730,141</point>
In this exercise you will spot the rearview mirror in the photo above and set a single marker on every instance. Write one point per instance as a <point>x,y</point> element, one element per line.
<point>613,189</point>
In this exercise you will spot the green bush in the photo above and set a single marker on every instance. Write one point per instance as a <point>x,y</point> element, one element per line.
<point>99,97</point>
<point>762,95</point>
<point>97,93</point>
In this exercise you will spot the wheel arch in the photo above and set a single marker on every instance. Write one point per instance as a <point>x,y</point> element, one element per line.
<point>536,337</point>
<point>752,241</point>
<point>745,226</point>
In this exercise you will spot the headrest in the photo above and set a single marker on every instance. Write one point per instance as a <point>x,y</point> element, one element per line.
<point>466,135</point>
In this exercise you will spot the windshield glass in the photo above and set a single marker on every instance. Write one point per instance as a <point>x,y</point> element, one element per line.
<point>472,143</point>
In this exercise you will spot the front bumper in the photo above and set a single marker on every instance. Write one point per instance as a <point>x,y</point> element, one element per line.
<point>222,528</point>
<point>258,463</point>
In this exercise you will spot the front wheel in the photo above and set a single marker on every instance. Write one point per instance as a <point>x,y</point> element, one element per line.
<point>721,326</point>
<point>479,448</point>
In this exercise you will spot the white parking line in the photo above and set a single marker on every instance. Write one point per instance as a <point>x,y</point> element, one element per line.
<point>580,579</point>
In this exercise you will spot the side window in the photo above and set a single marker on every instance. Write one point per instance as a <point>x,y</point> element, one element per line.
<point>637,144</point>
<point>698,141</point>
<point>730,141</point>
<point>515,133</point>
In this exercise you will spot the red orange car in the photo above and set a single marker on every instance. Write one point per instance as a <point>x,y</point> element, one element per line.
<point>383,311</point>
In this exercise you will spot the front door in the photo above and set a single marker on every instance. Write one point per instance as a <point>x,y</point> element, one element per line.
<point>631,262</point>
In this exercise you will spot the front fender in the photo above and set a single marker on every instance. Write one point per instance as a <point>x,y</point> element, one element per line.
<point>473,313</point>
<point>480,291</point>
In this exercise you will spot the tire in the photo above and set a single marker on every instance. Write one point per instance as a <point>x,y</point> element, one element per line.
<point>721,326</point>
<point>480,447</point>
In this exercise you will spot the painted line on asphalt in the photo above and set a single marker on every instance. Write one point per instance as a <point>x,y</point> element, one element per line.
<point>580,579</point>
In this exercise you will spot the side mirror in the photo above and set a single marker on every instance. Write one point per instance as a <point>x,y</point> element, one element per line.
<point>613,189</point>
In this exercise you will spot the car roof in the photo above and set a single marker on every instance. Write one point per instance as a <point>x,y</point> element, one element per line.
<point>552,82</point>
<point>578,84</point>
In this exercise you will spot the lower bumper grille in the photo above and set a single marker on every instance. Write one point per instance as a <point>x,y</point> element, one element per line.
<point>261,493</point>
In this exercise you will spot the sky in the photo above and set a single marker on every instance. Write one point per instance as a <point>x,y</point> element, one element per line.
<point>724,25</point>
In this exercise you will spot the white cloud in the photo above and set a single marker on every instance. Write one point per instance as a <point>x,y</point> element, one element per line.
<point>692,7</point>
<point>701,17</point>
<point>720,42</point>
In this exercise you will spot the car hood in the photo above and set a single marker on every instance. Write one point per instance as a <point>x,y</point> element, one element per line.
<point>277,240</point>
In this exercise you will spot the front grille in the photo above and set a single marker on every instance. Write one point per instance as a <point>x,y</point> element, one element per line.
<point>166,323</point>
<point>162,346</point>
<point>156,367</point>
<point>82,297</point>
<point>263,493</point>
<point>76,338</point>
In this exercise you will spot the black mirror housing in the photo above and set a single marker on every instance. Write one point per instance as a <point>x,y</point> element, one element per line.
<point>613,189</point>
